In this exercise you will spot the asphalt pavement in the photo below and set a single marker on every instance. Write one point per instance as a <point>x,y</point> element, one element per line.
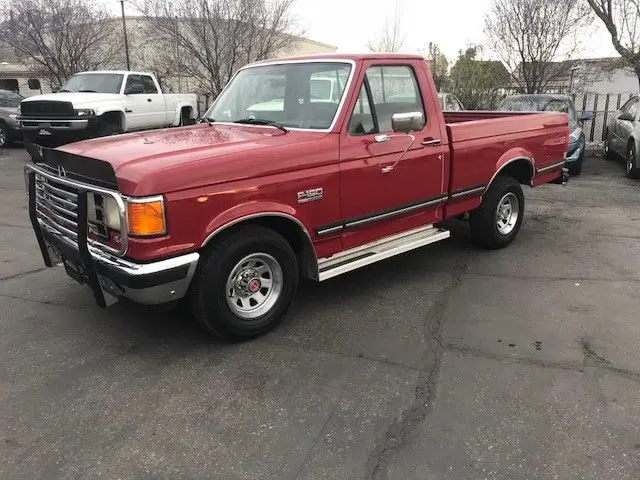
<point>445,363</point>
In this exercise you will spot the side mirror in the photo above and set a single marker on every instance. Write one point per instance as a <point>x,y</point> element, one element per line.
<point>55,89</point>
<point>627,117</point>
<point>34,84</point>
<point>407,122</point>
<point>134,89</point>
<point>586,116</point>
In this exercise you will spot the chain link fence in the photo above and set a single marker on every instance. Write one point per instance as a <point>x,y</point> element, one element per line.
<point>604,105</point>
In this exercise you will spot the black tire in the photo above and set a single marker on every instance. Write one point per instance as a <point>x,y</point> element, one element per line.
<point>6,137</point>
<point>106,129</point>
<point>631,162</point>
<point>208,293</point>
<point>576,170</point>
<point>484,220</point>
<point>608,153</point>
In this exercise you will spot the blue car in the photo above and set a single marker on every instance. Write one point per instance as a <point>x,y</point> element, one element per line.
<point>542,102</point>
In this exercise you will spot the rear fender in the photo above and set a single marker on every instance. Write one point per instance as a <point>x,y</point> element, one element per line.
<point>178,111</point>
<point>517,162</point>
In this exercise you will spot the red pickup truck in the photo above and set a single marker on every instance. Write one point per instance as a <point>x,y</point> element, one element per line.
<point>303,167</point>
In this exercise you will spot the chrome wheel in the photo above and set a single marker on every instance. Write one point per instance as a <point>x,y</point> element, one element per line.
<point>3,137</point>
<point>507,213</point>
<point>254,286</point>
<point>630,160</point>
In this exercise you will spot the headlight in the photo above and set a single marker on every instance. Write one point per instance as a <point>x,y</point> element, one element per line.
<point>81,112</point>
<point>103,210</point>
<point>13,116</point>
<point>146,217</point>
<point>574,137</point>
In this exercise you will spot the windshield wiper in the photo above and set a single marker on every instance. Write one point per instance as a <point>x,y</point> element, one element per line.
<point>64,90</point>
<point>260,121</point>
<point>87,91</point>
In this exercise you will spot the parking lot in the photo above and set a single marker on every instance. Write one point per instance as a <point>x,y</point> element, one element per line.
<point>445,363</point>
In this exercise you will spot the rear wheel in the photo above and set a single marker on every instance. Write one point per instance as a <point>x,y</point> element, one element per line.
<point>245,284</point>
<point>497,221</point>
<point>633,170</point>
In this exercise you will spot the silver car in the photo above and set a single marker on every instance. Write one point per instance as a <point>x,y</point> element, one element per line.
<point>9,128</point>
<point>622,136</point>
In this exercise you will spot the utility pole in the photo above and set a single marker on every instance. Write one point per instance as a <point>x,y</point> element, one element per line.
<point>124,29</point>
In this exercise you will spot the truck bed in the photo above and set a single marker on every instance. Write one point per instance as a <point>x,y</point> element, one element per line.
<point>482,142</point>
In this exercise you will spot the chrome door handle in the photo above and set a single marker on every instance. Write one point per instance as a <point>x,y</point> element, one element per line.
<point>429,142</point>
<point>386,169</point>
<point>382,138</point>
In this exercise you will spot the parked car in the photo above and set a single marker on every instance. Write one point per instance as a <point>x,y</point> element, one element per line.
<point>101,103</point>
<point>555,103</point>
<point>622,136</point>
<point>449,102</point>
<point>9,127</point>
<point>229,213</point>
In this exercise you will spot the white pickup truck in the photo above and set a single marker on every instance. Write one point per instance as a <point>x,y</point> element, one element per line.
<point>101,103</point>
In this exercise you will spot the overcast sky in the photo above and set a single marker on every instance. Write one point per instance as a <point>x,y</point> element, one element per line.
<point>453,24</point>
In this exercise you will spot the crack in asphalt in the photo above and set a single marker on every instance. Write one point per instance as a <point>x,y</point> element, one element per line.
<point>282,342</point>
<point>596,361</point>
<point>44,302</point>
<point>551,278</point>
<point>426,387</point>
<point>22,274</point>
<point>11,225</point>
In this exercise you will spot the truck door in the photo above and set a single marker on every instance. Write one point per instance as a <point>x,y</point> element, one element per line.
<point>383,189</point>
<point>146,104</point>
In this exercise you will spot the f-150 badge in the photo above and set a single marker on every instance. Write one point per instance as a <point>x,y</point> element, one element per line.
<point>312,195</point>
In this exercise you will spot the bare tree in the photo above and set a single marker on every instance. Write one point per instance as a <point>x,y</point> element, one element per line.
<point>390,38</point>
<point>438,64</point>
<point>208,40</point>
<point>622,19</point>
<point>58,38</point>
<point>534,37</point>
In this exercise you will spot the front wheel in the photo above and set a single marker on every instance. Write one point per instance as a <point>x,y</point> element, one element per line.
<point>5,136</point>
<point>245,284</point>
<point>497,221</point>
<point>608,153</point>
<point>633,171</point>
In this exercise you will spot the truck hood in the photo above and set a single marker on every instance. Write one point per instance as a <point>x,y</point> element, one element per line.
<point>166,160</point>
<point>77,98</point>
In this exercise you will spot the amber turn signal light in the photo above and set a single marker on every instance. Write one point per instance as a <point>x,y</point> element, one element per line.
<point>146,218</point>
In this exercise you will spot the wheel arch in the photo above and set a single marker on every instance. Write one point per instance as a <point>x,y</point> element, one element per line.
<point>115,116</point>
<point>519,167</point>
<point>291,229</point>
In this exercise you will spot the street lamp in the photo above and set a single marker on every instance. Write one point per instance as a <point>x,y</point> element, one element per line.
<point>124,29</point>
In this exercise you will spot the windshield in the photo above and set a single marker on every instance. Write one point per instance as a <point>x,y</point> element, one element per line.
<point>296,95</point>
<point>93,82</point>
<point>10,99</point>
<point>539,104</point>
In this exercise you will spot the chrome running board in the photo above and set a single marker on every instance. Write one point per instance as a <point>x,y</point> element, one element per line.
<point>358,257</point>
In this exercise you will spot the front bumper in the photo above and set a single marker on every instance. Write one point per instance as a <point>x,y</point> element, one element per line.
<point>110,277</point>
<point>575,155</point>
<point>53,124</point>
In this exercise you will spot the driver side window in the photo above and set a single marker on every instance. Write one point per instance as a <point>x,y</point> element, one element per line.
<point>134,85</point>
<point>386,90</point>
